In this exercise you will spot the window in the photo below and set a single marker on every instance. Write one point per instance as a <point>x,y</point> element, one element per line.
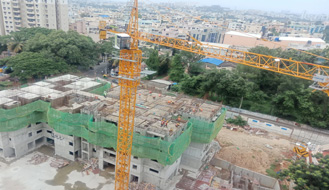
<point>71,143</point>
<point>48,131</point>
<point>153,170</point>
<point>40,131</point>
<point>30,134</point>
<point>154,160</point>
<point>135,157</point>
<point>71,153</point>
<point>135,167</point>
<point>37,123</point>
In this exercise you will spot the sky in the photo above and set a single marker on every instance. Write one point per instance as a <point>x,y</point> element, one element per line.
<point>296,6</point>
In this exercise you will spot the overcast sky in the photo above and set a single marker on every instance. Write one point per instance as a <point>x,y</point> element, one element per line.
<point>296,6</point>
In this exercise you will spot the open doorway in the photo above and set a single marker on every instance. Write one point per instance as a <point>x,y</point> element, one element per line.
<point>50,141</point>
<point>109,167</point>
<point>134,178</point>
<point>39,142</point>
<point>10,152</point>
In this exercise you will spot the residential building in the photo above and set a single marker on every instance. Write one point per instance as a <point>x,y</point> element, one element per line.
<point>16,14</point>
<point>79,26</point>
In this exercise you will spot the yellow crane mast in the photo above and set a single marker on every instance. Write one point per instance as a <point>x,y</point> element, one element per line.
<point>130,68</point>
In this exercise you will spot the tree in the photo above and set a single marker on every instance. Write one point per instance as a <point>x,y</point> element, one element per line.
<point>73,48</point>
<point>308,177</point>
<point>195,69</point>
<point>177,70</point>
<point>18,39</point>
<point>164,64</point>
<point>153,61</point>
<point>107,47</point>
<point>232,88</point>
<point>192,85</point>
<point>188,57</point>
<point>4,43</point>
<point>35,65</point>
<point>237,121</point>
<point>16,43</point>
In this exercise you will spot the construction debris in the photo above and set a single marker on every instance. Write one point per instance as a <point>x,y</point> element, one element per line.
<point>38,159</point>
<point>59,163</point>
<point>141,186</point>
<point>91,166</point>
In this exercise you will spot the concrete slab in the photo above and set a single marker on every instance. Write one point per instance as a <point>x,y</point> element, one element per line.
<point>10,93</point>
<point>42,83</point>
<point>86,79</point>
<point>82,85</point>
<point>11,105</point>
<point>39,90</point>
<point>5,100</point>
<point>29,96</point>
<point>53,96</point>
<point>63,78</point>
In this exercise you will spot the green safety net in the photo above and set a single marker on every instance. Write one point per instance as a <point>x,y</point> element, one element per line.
<point>205,131</point>
<point>105,134</point>
<point>100,90</point>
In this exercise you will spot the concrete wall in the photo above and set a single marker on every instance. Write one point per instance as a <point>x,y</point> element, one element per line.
<point>67,146</point>
<point>18,143</point>
<point>254,123</point>
<point>194,154</point>
<point>143,168</point>
<point>302,133</point>
<point>265,181</point>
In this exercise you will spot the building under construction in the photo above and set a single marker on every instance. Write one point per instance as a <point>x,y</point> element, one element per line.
<point>73,115</point>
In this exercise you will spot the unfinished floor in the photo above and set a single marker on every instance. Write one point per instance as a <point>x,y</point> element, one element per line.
<point>22,174</point>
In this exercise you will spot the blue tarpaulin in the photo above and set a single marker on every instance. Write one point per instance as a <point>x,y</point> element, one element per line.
<point>214,61</point>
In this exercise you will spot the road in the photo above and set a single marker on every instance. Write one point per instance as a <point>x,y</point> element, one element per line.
<point>98,70</point>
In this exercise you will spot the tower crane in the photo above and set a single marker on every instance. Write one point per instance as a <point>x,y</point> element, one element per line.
<point>130,68</point>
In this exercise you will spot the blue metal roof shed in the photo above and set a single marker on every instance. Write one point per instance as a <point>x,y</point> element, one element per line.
<point>214,61</point>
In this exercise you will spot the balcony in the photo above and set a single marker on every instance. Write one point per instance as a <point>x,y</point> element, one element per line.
<point>15,5</point>
<point>16,10</point>
<point>31,21</point>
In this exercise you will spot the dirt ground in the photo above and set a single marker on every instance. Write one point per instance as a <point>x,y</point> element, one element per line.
<point>252,151</point>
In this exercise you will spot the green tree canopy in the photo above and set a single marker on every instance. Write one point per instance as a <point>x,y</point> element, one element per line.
<point>37,65</point>
<point>153,61</point>
<point>177,70</point>
<point>195,69</point>
<point>308,177</point>
<point>73,48</point>
<point>164,64</point>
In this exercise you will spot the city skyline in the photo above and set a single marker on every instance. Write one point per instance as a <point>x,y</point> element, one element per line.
<point>295,6</point>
